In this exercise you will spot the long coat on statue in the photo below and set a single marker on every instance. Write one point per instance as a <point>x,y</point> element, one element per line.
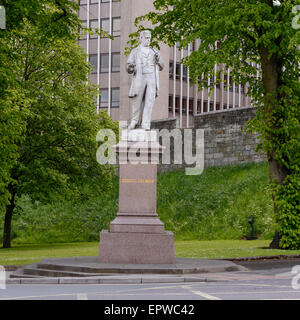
<point>136,58</point>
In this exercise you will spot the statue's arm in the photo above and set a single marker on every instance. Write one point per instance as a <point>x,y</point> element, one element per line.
<point>161,64</point>
<point>130,66</point>
<point>159,61</point>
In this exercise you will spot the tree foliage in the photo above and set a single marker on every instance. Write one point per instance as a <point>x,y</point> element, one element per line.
<point>256,39</point>
<point>48,116</point>
<point>52,18</point>
<point>61,124</point>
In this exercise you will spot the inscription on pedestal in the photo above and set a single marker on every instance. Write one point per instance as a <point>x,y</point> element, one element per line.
<point>137,180</point>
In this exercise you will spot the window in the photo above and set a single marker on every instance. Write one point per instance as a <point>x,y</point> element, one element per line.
<point>105,25</point>
<point>218,79</point>
<point>191,106</point>
<point>82,2</point>
<point>115,66</point>
<point>115,98</point>
<point>104,62</point>
<point>177,104</point>
<point>170,103</point>
<point>171,69</point>
<point>93,25</point>
<point>242,88</point>
<point>226,84</point>
<point>236,88</point>
<point>198,106</point>
<point>115,26</point>
<point>184,73</point>
<point>193,46</point>
<point>94,62</point>
<point>184,105</point>
<point>205,106</point>
<point>82,32</point>
<point>115,62</point>
<point>178,71</point>
<point>104,98</point>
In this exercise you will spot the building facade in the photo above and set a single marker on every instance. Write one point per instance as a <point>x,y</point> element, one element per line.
<point>177,97</point>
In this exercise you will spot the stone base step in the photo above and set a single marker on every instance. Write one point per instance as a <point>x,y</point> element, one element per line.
<point>80,267</point>
<point>19,275</point>
<point>56,273</point>
<point>88,271</point>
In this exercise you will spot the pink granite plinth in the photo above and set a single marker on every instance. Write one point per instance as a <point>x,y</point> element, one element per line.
<point>137,235</point>
<point>137,224</point>
<point>136,248</point>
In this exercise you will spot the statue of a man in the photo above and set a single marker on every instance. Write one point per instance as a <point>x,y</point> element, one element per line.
<point>144,63</point>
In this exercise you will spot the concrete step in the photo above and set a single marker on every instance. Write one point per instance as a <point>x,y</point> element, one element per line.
<point>55,273</point>
<point>19,275</point>
<point>72,268</point>
<point>80,267</point>
<point>36,270</point>
<point>90,269</point>
<point>109,270</point>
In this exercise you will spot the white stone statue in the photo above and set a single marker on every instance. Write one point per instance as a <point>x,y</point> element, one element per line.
<point>144,63</point>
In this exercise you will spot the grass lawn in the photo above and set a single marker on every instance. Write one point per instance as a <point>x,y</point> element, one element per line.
<point>214,205</point>
<point>227,249</point>
<point>26,254</point>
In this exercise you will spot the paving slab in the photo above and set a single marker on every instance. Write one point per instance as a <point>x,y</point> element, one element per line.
<point>39,281</point>
<point>13,281</point>
<point>163,280</point>
<point>75,280</point>
<point>120,280</point>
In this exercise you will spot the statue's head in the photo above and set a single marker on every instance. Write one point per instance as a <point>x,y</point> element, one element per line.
<point>145,38</point>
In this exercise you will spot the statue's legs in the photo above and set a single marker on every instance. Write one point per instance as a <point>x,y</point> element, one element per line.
<point>149,100</point>
<point>136,105</point>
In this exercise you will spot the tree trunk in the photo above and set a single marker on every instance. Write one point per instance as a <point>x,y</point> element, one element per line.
<point>275,244</point>
<point>276,173</point>
<point>7,222</point>
<point>271,70</point>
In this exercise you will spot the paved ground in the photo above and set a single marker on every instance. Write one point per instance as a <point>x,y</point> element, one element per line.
<point>264,280</point>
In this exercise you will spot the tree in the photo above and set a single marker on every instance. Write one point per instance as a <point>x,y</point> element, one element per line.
<point>59,124</point>
<point>243,35</point>
<point>52,18</point>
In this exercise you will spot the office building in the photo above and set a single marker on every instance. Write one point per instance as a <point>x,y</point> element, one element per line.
<point>177,98</point>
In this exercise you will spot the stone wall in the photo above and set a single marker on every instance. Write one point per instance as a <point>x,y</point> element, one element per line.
<point>169,124</point>
<point>225,143</point>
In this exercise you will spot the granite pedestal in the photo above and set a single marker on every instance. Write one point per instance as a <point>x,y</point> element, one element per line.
<point>137,235</point>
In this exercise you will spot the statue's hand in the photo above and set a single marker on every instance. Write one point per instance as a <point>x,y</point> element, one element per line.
<point>157,56</point>
<point>131,68</point>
